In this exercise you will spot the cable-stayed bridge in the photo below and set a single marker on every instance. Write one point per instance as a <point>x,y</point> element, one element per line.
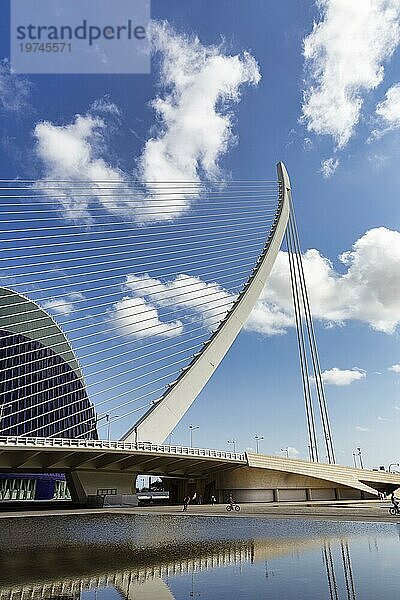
<point>118,304</point>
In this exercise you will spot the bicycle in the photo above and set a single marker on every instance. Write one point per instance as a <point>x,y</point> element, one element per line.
<point>394,511</point>
<point>235,507</point>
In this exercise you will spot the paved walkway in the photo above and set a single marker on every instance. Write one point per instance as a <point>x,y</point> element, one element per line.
<point>368,511</point>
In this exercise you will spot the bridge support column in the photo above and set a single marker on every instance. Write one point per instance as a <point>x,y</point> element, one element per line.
<point>85,484</point>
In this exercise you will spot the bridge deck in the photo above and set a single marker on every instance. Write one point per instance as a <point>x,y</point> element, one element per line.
<point>52,454</point>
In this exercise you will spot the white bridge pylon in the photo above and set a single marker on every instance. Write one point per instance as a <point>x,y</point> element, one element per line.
<point>161,419</point>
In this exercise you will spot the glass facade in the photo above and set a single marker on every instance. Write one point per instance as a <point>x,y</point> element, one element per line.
<point>41,395</point>
<point>17,489</point>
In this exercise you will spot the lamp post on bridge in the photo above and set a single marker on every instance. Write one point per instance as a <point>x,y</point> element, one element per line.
<point>191,428</point>
<point>108,418</point>
<point>233,442</point>
<point>359,454</point>
<point>286,450</point>
<point>258,438</point>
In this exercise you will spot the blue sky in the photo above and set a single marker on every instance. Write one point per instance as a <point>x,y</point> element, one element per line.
<point>257,389</point>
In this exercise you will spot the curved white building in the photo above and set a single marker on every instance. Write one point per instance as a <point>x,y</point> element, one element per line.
<point>42,390</point>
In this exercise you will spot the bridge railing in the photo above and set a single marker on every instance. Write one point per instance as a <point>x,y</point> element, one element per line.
<point>116,445</point>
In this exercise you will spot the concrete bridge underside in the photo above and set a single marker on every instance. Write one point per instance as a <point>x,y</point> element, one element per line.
<point>250,477</point>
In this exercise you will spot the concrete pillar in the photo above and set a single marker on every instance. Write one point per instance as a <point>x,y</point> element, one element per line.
<point>82,484</point>
<point>308,494</point>
<point>276,495</point>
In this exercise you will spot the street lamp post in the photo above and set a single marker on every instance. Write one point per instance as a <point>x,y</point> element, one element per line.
<point>233,442</point>
<point>360,457</point>
<point>170,438</point>
<point>258,438</point>
<point>191,428</point>
<point>285,450</point>
<point>354,460</point>
<point>393,465</point>
<point>108,418</point>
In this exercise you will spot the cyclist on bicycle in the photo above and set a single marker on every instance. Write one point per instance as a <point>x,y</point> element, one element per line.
<point>231,501</point>
<point>394,501</point>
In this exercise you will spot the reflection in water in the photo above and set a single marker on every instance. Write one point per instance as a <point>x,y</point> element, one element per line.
<point>328,561</point>
<point>145,558</point>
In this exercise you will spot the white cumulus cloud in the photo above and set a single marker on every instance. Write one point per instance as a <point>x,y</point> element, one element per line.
<point>208,300</point>
<point>395,368</point>
<point>329,166</point>
<point>344,58</point>
<point>138,313</point>
<point>199,83</point>
<point>388,112</point>
<point>368,290</point>
<point>341,377</point>
<point>362,429</point>
<point>198,87</point>
<point>71,154</point>
<point>133,316</point>
<point>63,306</point>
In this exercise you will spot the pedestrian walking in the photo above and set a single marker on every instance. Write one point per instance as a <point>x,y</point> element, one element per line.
<point>213,500</point>
<point>186,501</point>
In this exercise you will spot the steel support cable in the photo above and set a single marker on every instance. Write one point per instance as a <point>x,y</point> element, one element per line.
<point>71,330</point>
<point>127,180</point>
<point>40,318</point>
<point>346,573</point>
<point>132,198</point>
<point>30,185</point>
<point>100,392</point>
<point>226,270</point>
<point>302,354</point>
<point>114,408</point>
<point>102,263</point>
<point>118,395</point>
<point>330,571</point>
<point>198,337</point>
<point>109,207</point>
<point>125,210</point>
<point>350,571</point>
<point>306,316</point>
<point>216,304</point>
<point>116,418</point>
<point>190,229</point>
<point>225,303</point>
<point>46,195</point>
<point>102,287</point>
<point>187,340</point>
<point>26,301</point>
<point>131,252</point>
<point>146,214</point>
<point>79,412</point>
<point>183,309</point>
<point>301,310</point>
<point>155,224</point>
<point>229,230</point>
<point>313,446</point>
<point>314,348</point>
<point>125,268</point>
<point>100,296</point>
<point>107,401</point>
